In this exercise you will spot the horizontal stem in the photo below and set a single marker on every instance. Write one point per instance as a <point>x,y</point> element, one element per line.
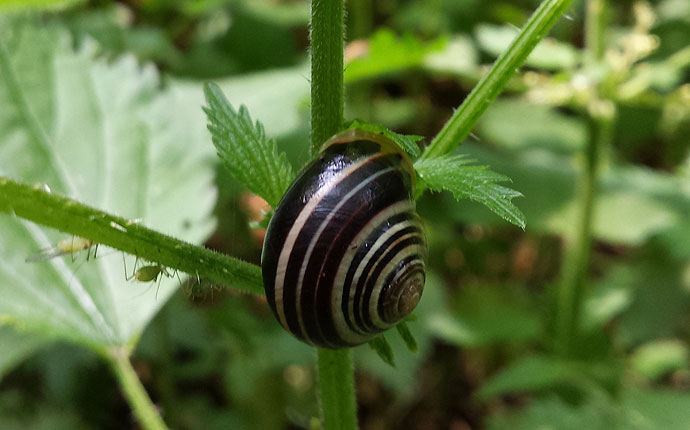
<point>463,120</point>
<point>62,213</point>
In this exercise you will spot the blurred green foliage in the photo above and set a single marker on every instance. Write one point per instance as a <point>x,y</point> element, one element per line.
<point>214,359</point>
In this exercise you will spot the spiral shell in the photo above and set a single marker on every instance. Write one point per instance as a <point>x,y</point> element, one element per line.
<point>345,252</point>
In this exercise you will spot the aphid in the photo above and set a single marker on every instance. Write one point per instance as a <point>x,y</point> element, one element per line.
<point>149,273</point>
<point>66,246</point>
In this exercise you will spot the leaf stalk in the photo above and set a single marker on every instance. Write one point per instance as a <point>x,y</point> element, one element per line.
<point>460,125</point>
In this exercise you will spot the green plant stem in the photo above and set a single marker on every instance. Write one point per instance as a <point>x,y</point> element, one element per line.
<point>336,372</point>
<point>595,27</point>
<point>42,207</point>
<point>570,294</point>
<point>463,120</point>
<point>571,289</point>
<point>141,404</point>
<point>337,389</point>
<point>327,31</point>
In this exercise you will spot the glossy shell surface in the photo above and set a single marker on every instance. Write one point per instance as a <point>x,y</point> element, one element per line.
<point>345,252</point>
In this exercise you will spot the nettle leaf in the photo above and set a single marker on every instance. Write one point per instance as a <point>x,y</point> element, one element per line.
<point>407,142</point>
<point>102,133</point>
<point>454,173</point>
<point>249,155</point>
<point>407,336</point>
<point>383,349</point>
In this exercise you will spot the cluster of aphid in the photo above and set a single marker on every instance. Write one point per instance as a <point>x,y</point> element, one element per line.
<point>152,272</point>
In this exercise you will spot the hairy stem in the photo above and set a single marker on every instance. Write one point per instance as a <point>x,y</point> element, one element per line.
<point>576,265</point>
<point>327,31</point>
<point>571,290</point>
<point>52,210</point>
<point>336,372</point>
<point>463,120</point>
<point>141,404</point>
<point>337,389</point>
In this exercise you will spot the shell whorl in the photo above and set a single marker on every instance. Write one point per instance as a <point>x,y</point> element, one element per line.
<point>344,254</point>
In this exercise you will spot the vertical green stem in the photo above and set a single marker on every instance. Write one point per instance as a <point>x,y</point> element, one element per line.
<point>143,408</point>
<point>337,389</point>
<point>570,294</point>
<point>595,28</point>
<point>336,372</point>
<point>327,31</point>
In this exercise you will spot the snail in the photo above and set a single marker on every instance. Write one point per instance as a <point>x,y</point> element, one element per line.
<point>345,252</point>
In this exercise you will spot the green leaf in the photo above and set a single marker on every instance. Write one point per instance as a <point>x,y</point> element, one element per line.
<point>607,300</point>
<point>487,315</point>
<point>529,373</point>
<point>24,5</point>
<point>406,142</point>
<point>103,133</point>
<point>633,202</point>
<point>659,357</point>
<point>458,57</point>
<point>634,410</point>
<point>389,54</point>
<point>249,155</point>
<point>407,336</point>
<point>401,378</point>
<point>519,125</point>
<point>381,346</point>
<point>548,54</point>
<point>478,183</point>
<point>656,409</point>
<point>552,413</point>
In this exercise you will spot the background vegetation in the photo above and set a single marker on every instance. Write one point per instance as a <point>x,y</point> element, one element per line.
<point>517,329</point>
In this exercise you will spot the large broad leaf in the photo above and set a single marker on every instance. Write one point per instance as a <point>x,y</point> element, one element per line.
<point>632,410</point>
<point>517,124</point>
<point>104,134</point>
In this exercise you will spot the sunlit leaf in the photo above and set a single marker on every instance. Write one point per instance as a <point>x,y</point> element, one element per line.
<point>530,373</point>
<point>549,54</point>
<point>102,133</point>
<point>383,349</point>
<point>519,125</point>
<point>633,203</point>
<point>24,5</point>
<point>656,358</point>
<point>250,155</point>
<point>388,54</point>
<point>466,181</point>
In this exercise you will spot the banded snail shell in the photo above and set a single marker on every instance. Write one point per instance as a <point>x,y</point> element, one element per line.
<point>345,252</point>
